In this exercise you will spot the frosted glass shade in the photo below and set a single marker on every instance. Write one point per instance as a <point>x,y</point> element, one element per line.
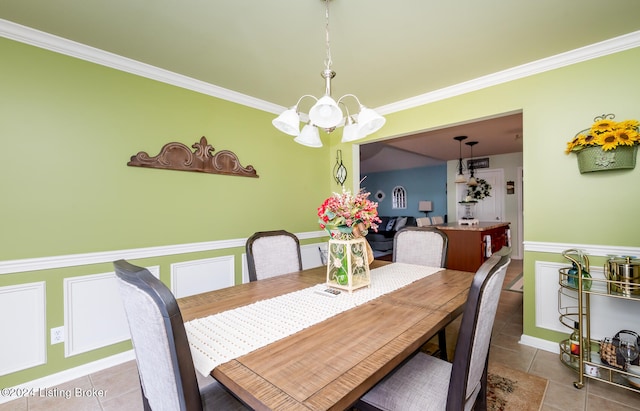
<point>325,113</point>
<point>351,132</point>
<point>309,136</point>
<point>288,122</point>
<point>461,179</point>
<point>369,121</point>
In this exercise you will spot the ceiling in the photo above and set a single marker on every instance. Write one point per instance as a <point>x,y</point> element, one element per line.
<point>498,135</point>
<point>383,52</point>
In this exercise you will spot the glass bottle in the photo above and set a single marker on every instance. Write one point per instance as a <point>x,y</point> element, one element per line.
<point>572,276</point>
<point>574,340</point>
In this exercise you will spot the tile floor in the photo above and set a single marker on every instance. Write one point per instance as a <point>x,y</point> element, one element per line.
<point>122,392</point>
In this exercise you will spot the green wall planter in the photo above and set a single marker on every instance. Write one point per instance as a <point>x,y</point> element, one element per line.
<point>595,159</point>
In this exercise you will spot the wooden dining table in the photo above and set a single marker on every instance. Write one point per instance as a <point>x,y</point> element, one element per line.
<point>329,365</point>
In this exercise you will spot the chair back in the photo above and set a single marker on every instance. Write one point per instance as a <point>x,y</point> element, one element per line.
<point>421,246</point>
<point>423,221</point>
<point>163,356</point>
<point>468,375</point>
<point>271,253</point>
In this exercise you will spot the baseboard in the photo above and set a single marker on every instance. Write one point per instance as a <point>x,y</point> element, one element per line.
<point>70,374</point>
<point>539,343</point>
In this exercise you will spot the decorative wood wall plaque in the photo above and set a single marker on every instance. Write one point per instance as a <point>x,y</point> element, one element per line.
<point>177,156</point>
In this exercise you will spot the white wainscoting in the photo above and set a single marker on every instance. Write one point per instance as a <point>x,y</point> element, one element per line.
<point>23,325</point>
<point>311,254</point>
<point>199,276</point>
<point>608,315</point>
<point>93,313</point>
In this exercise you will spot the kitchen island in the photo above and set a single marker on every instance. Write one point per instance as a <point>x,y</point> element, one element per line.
<point>469,244</point>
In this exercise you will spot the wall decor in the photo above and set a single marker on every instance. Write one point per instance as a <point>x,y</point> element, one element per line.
<point>511,186</point>
<point>606,145</point>
<point>339,170</point>
<point>476,163</point>
<point>177,156</point>
<point>480,191</point>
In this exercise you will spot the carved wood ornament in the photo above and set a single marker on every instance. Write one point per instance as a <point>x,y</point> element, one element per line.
<point>177,156</point>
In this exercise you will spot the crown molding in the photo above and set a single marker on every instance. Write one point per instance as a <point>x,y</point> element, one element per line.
<point>61,45</point>
<point>71,48</point>
<point>603,48</point>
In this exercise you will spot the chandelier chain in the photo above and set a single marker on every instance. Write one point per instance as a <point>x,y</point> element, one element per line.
<point>328,62</point>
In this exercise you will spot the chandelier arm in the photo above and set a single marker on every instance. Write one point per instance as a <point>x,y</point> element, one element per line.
<point>349,95</point>
<point>300,99</point>
<point>344,105</point>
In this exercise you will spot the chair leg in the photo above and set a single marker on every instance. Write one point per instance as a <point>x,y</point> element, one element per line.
<point>481,400</point>
<point>145,401</point>
<point>442,343</point>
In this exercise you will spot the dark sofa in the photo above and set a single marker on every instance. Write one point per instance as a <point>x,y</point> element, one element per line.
<point>382,241</point>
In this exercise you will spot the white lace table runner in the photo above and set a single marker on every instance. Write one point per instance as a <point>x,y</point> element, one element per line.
<point>222,337</point>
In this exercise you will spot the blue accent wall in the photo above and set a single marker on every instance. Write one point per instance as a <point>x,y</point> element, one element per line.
<point>423,183</point>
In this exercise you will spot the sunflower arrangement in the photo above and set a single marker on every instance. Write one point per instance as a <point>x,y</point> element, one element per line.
<point>606,133</point>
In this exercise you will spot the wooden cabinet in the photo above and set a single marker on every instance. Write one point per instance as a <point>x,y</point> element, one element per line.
<point>467,247</point>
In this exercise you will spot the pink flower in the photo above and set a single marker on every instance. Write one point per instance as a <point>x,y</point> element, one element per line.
<point>342,211</point>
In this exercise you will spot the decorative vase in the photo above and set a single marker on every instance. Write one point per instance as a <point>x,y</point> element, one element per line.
<point>595,159</point>
<point>572,277</point>
<point>348,265</point>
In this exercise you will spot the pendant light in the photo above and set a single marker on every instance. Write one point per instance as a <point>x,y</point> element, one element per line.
<point>460,178</point>
<point>472,180</point>
<point>326,112</point>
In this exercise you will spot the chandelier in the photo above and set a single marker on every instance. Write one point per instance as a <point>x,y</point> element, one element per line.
<point>326,112</point>
<point>472,179</point>
<point>460,178</point>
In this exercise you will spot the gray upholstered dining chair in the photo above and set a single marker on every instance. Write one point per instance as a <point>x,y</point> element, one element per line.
<point>271,253</point>
<point>423,246</point>
<point>426,383</point>
<point>165,366</point>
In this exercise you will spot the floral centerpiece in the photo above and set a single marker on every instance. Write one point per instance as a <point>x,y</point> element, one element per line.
<point>346,216</point>
<point>606,145</point>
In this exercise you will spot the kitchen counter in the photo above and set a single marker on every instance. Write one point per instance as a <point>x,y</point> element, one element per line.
<point>482,226</point>
<point>469,246</point>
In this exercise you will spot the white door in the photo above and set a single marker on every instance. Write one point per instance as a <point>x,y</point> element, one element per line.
<point>491,208</point>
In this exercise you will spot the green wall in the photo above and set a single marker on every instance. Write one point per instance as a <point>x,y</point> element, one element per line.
<point>68,129</point>
<point>561,205</point>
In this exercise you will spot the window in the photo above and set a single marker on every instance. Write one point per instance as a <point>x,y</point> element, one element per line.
<point>399,197</point>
